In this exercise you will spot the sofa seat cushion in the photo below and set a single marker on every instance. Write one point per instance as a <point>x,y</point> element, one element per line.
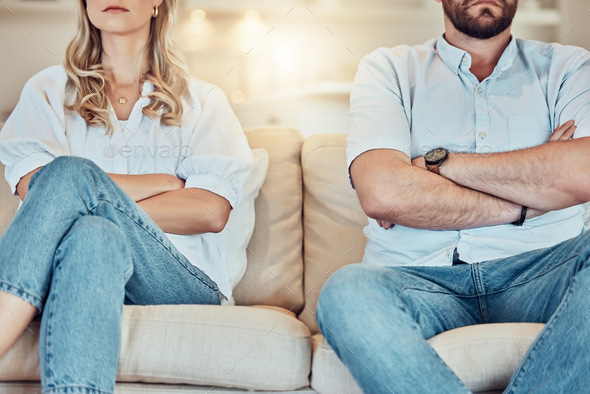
<point>483,356</point>
<point>230,346</point>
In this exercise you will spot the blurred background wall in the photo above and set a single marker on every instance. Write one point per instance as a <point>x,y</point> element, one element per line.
<point>288,62</point>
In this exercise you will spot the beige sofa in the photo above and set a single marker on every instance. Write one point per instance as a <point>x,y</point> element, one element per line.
<point>308,224</point>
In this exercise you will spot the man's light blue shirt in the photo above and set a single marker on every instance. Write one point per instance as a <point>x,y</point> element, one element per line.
<point>416,98</point>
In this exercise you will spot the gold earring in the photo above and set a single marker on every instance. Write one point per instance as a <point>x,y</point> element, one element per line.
<point>155,12</point>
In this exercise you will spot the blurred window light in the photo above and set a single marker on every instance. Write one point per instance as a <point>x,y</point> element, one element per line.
<point>198,15</point>
<point>253,16</point>
<point>250,30</point>
<point>285,57</point>
<point>194,32</point>
<point>238,97</point>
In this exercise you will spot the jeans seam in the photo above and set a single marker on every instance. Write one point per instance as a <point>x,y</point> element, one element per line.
<point>57,389</point>
<point>47,341</point>
<point>536,276</point>
<point>476,275</point>
<point>401,290</point>
<point>8,291</point>
<point>155,237</point>
<point>543,336</point>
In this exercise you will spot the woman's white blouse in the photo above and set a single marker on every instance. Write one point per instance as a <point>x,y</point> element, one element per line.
<point>209,151</point>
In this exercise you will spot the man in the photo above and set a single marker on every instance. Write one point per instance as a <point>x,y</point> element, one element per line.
<point>469,149</point>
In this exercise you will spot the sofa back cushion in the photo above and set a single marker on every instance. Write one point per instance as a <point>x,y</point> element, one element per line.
<point>333,219</point>
<point>274,275</point>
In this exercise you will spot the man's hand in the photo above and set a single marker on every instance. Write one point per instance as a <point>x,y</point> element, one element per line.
<point>564,132</point>
<point>385,224</point>
<point>393,191</point>
<point>546,177</point>
<point>419,162</point>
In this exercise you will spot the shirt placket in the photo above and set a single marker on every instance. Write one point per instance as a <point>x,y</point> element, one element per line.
<point>482,107</point>
<point>482,118</point>
<point>134,140</point>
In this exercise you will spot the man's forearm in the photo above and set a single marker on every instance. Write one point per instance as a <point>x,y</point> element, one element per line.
<point>438,205</point>
<point>391,190</point>
<point>546,177</point>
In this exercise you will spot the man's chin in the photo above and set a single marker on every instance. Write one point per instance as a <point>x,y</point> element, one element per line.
<point>485,20</point>
<point>486,13</point>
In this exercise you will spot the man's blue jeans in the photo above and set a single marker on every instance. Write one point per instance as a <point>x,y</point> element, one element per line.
<point>78,249</point>
<point>377,318</point>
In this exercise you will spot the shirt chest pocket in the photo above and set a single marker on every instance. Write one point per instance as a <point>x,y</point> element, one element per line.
<point>525,131</point>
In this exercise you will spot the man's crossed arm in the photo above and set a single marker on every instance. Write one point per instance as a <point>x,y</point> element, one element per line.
<point>474,190</point>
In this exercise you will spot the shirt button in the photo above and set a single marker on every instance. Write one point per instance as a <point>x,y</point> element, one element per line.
<point>482,135</point>
<point>479,90</point>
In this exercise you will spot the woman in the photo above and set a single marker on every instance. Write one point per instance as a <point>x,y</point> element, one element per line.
<point>108,153</point>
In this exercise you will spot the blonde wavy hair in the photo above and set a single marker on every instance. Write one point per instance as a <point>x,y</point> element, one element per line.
<point>87,79</point>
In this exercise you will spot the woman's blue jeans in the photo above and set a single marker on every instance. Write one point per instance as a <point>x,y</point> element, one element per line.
<point>78,249</point>
<point>377,318</point>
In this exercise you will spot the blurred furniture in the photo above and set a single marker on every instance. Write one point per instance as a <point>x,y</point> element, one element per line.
<point>308,224</point>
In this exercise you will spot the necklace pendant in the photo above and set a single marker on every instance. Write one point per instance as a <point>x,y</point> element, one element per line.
<point>122,100</point>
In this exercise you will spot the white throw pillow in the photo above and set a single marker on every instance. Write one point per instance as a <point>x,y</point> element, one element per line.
<point>240,225</point>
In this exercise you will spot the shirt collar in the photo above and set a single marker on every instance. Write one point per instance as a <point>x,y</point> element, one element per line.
<point>451,56</point>
<point>455,58</point>
<point>507,58</point>
<point>147,88</point>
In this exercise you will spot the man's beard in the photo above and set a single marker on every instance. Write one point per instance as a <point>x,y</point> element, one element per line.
<point>474,26</point>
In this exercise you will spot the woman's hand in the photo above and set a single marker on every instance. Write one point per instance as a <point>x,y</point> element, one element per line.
<point>22,187</point>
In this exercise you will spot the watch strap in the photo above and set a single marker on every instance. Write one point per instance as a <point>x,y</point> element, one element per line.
<point>434,168</point>
<point>520,222</point>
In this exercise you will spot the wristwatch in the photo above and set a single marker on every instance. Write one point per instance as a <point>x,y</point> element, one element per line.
<point>434,159</point>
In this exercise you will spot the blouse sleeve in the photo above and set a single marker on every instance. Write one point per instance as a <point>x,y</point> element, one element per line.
<point>218,158</point>
<point>34,134</point>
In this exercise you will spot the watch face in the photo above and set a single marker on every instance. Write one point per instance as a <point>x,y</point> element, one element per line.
<point>435,156</point>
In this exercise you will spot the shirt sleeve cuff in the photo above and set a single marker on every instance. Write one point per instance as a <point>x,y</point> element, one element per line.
<point>23,167</point>
<point>215,185</point>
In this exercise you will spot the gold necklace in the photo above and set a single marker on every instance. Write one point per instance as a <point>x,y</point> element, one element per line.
<point>122,100</point>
